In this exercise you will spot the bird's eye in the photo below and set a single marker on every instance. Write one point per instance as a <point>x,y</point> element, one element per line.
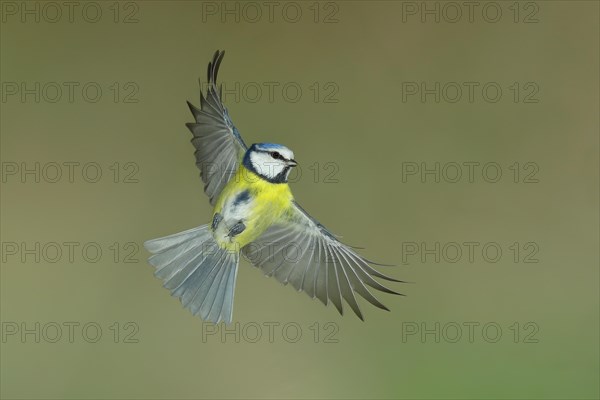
<point>276,155</point>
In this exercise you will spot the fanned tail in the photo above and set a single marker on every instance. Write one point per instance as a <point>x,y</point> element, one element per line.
<point>197,271</point>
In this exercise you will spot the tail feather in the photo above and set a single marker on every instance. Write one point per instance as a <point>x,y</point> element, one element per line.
<point>163,243</point>
<point>197,271</point>
<point>178,264</point>
<point>205,286</point>
<point>217,303</point>
<point>228,295</point>
<point>211,293</point>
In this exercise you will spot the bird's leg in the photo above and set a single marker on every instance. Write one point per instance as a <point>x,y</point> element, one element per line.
<point>236,229</point>
<point>216,221</point>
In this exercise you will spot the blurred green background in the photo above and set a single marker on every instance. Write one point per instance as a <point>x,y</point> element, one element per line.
<point>355,59</point>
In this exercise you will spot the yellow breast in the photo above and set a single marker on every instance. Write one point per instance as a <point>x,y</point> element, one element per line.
<point>268,201</point>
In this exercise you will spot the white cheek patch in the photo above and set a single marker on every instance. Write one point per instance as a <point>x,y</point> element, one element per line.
<point>265,165</point>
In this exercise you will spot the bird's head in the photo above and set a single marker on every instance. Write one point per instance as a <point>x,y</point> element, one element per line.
<point>272,162</point>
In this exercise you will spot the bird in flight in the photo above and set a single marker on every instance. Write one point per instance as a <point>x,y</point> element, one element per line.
<point>254,215</point>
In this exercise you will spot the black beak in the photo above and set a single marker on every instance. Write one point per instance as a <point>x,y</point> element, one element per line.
<point>292,163</point>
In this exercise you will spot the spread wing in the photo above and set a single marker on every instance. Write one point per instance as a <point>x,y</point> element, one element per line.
<point>300,251</point>
<point>219,146</point>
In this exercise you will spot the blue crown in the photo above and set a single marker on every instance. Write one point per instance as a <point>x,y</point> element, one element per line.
<point>266,146</point>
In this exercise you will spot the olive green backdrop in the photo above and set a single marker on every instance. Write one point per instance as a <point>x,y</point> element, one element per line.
<point>355,127</point>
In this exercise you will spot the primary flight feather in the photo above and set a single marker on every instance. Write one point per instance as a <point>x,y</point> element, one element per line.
<point>255,214</point>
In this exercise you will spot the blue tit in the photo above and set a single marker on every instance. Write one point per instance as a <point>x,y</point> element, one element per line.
<point>255,215</point>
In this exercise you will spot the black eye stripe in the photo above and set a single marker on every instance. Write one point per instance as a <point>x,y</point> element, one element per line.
<point>276,155</point>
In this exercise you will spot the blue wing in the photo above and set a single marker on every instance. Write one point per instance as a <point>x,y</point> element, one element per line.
<point>300,251</point>
<point>219,145</point>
